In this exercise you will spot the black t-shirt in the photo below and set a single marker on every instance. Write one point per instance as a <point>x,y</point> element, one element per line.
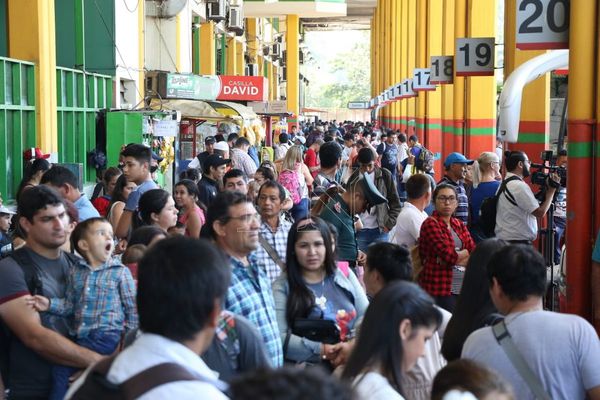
<point>235,350</point>
<point>208,190</point>
<point>30,374</point>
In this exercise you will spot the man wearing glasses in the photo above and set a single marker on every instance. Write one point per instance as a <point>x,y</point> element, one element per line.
<point>518,208</point>
<point>233,223</point>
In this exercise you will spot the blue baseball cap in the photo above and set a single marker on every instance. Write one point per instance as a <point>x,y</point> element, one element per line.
<point>457,158</point>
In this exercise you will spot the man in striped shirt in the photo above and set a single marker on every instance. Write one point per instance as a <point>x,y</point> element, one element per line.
<point>233,223</point>
<point>456,171</point>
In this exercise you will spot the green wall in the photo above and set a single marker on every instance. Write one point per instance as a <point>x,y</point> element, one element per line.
<point>99,27</point>
<point>99,36</point>
<point>64,11</point>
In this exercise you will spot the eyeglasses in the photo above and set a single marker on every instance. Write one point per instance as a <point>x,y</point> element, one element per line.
<point>246,218</point>
<point>446,199</point>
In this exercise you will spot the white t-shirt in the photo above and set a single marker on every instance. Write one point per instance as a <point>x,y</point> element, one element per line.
<point>374,386</point>
<point>408,225</point>
<point>517,222</point>
<point>562,350</point>
<point>369,219</point>
<point>149,350</point>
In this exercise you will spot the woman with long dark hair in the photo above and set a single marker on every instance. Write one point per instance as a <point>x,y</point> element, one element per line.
<point>156,207</point>
<point>118,200</point>
<point>192,211</point>
<point>313,288</point>
<point>400,319</point>
<point>474,308</point>
<point>32,174</point>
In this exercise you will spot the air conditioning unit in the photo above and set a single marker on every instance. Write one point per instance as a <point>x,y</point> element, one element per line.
<point>283,77</point>
<point>216,11</point>
<point>266,50</point>
<point>252,70</point>
<point>276,51</point>
<point>301,57</point>
<point>236,20</point>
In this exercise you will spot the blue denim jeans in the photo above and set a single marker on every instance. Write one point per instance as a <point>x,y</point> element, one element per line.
<point>365,237</point>
<point>560,224</point>
<point>102,342</point>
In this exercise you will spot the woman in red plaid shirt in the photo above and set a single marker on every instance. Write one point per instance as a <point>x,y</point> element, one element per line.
<point>444,245</point>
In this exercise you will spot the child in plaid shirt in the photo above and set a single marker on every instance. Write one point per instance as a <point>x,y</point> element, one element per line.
<point>99,300</point>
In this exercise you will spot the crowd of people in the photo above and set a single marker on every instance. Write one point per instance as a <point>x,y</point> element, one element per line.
<point>335,268</point>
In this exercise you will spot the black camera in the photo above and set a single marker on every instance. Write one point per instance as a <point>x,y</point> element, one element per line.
<point>541,177</point>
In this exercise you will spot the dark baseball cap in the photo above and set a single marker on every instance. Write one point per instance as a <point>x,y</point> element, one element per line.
<point>156,157</point>
<point>209,140</point>
<point>215,160</point>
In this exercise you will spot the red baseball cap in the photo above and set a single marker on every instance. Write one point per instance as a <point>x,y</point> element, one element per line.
<point>34,153</point>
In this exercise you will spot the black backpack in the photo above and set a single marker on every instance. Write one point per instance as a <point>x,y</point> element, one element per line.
<point>35,287</point>
<point>489,208</point>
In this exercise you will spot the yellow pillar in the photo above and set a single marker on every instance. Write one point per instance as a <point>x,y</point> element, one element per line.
<point>240,62</point>
<point>31,37</point>
<point>433,107</point>
<point>384,57</point>
<point>460,31</point>
<point>252,39</point>
<point>293,63</point>
<point>141,51</point>
<point>403,22</point>
<point>395,29</point>
<point>583,42</point>
<point>534,127</point>
<point>379,66</point>
<point>421,63</point>
<point>178,42</point>
<point>373,51</point>
<point>207,49</point>
<point>480,105</point>
<point>412,61</point>
<point>387,58</point>
<point>231,67</point>
<point>448,90</point>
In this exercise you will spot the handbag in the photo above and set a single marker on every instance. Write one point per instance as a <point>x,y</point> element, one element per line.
<point>318,330</point>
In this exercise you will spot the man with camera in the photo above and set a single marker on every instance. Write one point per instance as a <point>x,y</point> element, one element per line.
<point>518,208</point>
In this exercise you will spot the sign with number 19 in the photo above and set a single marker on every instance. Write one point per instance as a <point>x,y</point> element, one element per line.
<point>475,57</point>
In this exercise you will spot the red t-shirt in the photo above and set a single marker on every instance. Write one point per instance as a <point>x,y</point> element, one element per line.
<point>311,160</point>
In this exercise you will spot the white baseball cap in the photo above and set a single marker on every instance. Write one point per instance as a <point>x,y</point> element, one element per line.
<point>5,210</point>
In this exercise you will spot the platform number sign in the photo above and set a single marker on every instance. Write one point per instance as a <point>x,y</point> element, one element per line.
<point>407,88</point>
<point>475,57</point>
<point>422,80</point>
<point>442,70</point>
<point>542,24</point>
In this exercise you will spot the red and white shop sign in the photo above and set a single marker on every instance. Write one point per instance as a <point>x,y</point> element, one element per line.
<point>243,88</point>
